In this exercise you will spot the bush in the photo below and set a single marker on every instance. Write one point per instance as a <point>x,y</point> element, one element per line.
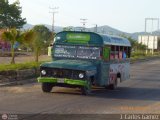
<point>138,54</point>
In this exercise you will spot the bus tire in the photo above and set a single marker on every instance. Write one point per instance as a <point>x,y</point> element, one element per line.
<point>114,85</point>
<point>47,87</point>
<point>86,90</point>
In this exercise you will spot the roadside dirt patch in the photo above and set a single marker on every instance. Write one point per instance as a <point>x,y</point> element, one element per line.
<point>21,89</point>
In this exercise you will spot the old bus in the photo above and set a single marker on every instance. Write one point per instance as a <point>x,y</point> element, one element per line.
<point>86,59</point>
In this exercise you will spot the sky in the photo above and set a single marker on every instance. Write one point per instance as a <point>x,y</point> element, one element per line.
<point>125,15</point>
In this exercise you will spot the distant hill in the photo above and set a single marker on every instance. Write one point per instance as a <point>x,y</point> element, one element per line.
<point>57,28</point>
<point>27,26</point>
<point>108,30</point>
<point>136,34</point>
<point>101,29</point>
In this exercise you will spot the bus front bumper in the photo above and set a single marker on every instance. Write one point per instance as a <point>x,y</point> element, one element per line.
<point>62,81</point>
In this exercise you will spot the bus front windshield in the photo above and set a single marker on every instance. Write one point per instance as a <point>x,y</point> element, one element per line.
<point>82,52</point>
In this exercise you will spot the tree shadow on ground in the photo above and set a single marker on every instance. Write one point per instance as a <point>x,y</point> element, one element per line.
<point>128,93</point>
<point>125,93</point>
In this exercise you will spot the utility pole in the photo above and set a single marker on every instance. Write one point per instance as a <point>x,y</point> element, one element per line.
<point>53,12</point>
<point>95,28</point>
<point>84,21</point>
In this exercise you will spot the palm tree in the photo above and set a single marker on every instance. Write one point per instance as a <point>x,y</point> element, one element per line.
<point>32,39</point>
<point>29,37</point>
<point>41,40</point>
<point>13,36</point>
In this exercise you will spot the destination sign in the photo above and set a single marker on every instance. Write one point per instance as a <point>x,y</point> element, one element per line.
<point>78,38</point>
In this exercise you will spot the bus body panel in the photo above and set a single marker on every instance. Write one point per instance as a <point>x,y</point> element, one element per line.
<point>109,72</point>
<point>104,73</point>
<point>123,69</point>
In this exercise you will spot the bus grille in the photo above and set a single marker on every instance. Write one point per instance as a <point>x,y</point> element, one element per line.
<point>62,73</point>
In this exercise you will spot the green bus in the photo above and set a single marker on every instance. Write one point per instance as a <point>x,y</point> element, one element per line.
<point>86,59</point>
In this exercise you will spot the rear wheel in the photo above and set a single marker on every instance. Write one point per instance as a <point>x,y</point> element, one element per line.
<point>114,85</point>
<point>47,87</point>
<point>86,90</point>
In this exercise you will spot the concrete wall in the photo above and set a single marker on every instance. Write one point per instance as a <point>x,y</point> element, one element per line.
<point>17,75</point>
<point>150,41</point>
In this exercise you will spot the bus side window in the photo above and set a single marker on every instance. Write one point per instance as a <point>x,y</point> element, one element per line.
<point>121,53</point>
<point>124,55</point>
<point>106,53</point>
<point>112,54</point>
<point>126,52</point>
<point>117,52</point>
<point>129,52</point>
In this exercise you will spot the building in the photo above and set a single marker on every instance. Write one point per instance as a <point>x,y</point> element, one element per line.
<point>151,41</point>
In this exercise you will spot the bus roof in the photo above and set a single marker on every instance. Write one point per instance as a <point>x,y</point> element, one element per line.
<point>115,40</point>
<point>89,38</point>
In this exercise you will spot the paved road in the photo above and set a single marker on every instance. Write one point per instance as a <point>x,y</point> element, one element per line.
<point>141,94</point>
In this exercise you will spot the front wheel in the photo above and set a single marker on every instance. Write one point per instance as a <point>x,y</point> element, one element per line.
<point>47,87</point>
<point>86,90</point>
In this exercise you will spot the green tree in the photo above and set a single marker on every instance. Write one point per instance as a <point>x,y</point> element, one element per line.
<point>68,28</point>
<point>10,15</point>
<point>41,40</point>
<point>13,36</point>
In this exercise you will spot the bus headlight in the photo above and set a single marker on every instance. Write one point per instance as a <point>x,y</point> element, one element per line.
<point>43,72</point>
<point>81,75</point>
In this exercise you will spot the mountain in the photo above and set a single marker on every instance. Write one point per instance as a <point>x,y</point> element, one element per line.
<point>136,34</point>
<point>27,26</point>
<point>57,28</point>
<point>108,30</point>
<point>101,29</point>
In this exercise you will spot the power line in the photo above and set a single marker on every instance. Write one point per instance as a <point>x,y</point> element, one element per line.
<point>53,12</point>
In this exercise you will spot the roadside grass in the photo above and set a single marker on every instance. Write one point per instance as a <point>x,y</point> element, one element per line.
<point>20,66</point>
<point>142,56</point>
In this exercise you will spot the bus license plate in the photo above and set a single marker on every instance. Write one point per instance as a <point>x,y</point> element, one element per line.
<point>60,80</point>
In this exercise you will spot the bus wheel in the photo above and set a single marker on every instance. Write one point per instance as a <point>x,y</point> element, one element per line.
<point>114,85</point>
<point>86,90</point>
<point>47,87</point>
